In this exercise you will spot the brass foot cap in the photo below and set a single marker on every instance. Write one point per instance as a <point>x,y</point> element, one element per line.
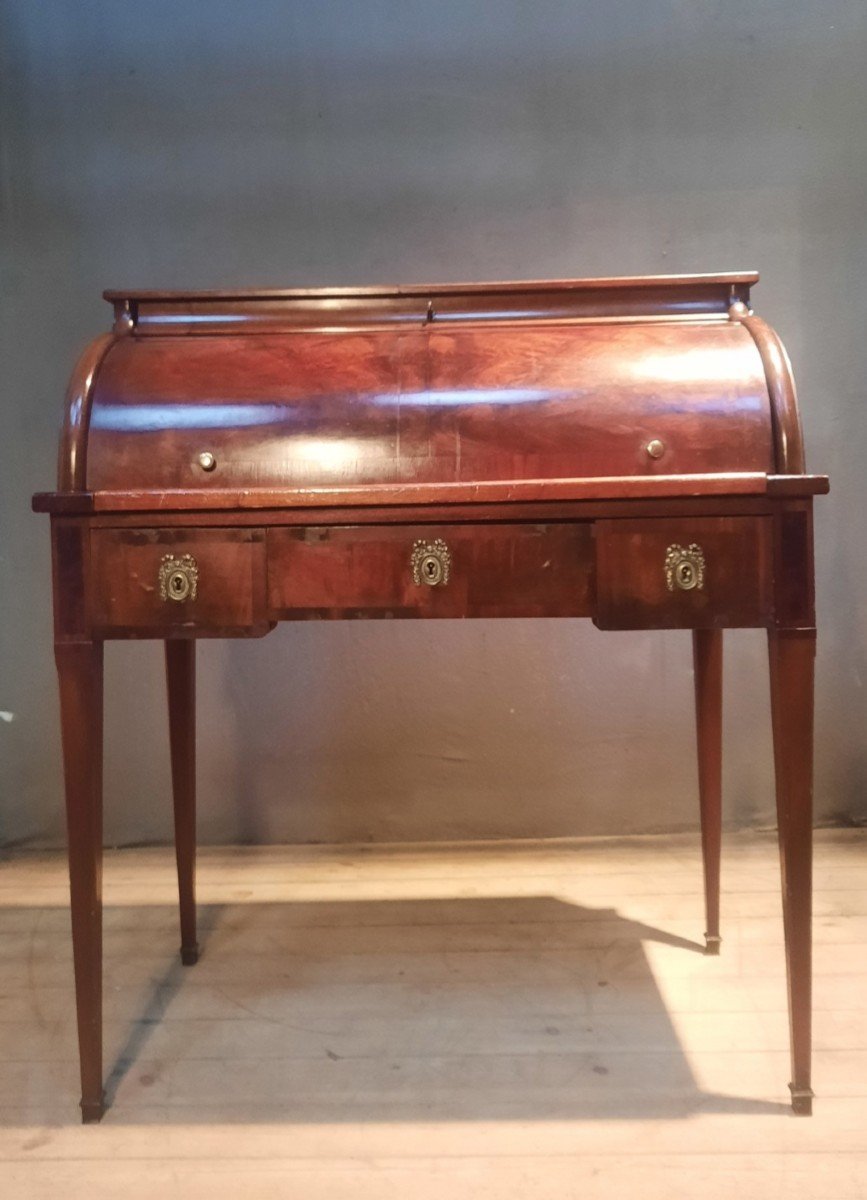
<point>802,1101</point>
<point>189,955</point>
<point>712,943</point>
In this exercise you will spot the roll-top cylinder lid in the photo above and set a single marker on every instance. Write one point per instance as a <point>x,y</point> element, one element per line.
<point>483,383</point>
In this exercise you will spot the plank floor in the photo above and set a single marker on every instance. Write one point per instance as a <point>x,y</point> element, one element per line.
<point>506,1020</point>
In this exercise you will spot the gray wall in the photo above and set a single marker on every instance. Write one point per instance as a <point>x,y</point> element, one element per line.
<point>170,144</point>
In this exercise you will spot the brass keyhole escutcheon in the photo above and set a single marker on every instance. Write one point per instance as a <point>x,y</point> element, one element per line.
<point>431,563</point>
<point>684,567</point>
<point>179,578</point>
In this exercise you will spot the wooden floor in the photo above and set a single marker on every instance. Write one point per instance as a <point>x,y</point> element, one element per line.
<point>530,1020</point>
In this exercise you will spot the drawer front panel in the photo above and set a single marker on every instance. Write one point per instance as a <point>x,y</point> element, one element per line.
<point>172,582</point>
<point>431,571</point>
<point>684,573</point>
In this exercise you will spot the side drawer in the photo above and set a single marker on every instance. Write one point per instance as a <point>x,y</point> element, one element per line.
<point>684,573</point>
<point>517,570</point>
<point>176,582</point>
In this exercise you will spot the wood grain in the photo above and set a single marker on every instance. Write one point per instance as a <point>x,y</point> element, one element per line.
<point>326,410</point>
<point>80,672</point>
<point>366,571</point>
<point>181,688</point>
<point>632,586</point>
<point>125,582</point>
<point>792,655</point>
<point>707,649</point>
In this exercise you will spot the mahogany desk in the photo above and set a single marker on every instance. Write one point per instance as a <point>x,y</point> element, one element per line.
<point>622,449</point>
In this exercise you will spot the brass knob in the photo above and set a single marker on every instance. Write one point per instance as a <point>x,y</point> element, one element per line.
<point>179,578</point>
<point>655,448</point>
<point>684,568</point>
<point>207,461</point>
<point>431,563</point>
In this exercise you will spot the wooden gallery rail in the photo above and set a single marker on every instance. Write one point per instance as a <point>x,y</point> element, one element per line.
<point>627,450</point>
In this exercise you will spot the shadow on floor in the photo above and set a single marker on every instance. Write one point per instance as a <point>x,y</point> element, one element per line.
<point>406,1010</point>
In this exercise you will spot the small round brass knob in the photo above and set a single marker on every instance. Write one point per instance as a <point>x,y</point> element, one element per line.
<point>655,448</point>
<point>207,461</point>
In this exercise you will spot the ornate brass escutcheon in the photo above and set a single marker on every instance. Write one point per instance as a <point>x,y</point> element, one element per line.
<point>179,578</point>
<point>431,563</point>
<point>684,568</point>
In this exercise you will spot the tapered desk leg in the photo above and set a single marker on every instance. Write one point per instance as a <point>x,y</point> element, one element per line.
<point>79,667</point>
<point>707,662</point>
<point>792,654</point>
<point>181,681</point>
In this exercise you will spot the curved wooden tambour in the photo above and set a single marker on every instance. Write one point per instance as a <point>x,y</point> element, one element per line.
<point>434,386</point>
<point>436,405</point>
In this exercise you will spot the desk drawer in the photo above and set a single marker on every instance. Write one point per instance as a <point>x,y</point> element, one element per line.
<point>431,571</point>
<point>176,582</point>
<point>684,573</point>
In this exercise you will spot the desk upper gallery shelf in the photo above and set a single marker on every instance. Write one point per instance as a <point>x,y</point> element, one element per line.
<point>628,450</point>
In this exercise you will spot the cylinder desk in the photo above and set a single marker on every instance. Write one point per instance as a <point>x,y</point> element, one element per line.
<point>627,450</point>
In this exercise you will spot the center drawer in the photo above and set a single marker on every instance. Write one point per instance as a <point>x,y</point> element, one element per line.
<point>430,571</point>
